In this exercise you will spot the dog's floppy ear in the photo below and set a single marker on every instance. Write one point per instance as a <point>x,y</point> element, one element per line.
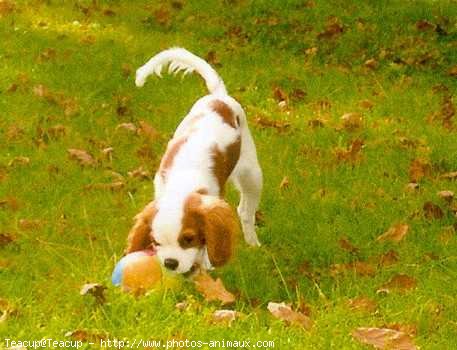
<point>221,228</point>
<point>140,235</point>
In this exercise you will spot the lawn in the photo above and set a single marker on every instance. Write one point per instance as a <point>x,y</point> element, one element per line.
<point>352,108</point>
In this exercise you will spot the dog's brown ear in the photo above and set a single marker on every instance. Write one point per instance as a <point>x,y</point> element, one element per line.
<point>221,228</point>
<point>140,235</point>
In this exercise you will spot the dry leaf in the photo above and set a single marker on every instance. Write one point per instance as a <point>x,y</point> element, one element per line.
<point>446,195</point>
<point>424,25</point>
<point>21,160</point>
<point>371,63</point>
<point>96,290</point>
<point>367,104</point>
<point>361,268</point>
<point>57,131</point>
<point>284,183</point>
<point>418,169</point>
<point>127,126</point>
<point>400,282</point>
<point>384,338</point>
<point>432,211</point>
<point>163,16</point>
<point>449,176</point>
<point>9,202</point>
<point>224,316</point>
<point>332,30</point>
<point>82,156</point>
<point>6,7</point>
<point>86,336</point>
<point>212,59</point>
<point>139,173</point>
<point>352,154</point>
<point>452,71</point>
<point>285,313</point>
<point>348,246</point>
<point>352,121</point>
<point>389,258</point>
<point>362,304</point>
<point>447,235</point>
<point>126,70</point>
<point>6,310</point>
<point>5,239</point>
<point>148,131</point>
<point>396,233</point>
<point>26,224</point>
<point>279,94</point>
<point>279,125</point>
<point>213,289</point>
<point>411,187</point>
<point>297,95</point>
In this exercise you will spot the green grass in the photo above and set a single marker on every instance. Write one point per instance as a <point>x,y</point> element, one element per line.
<point>259,45</point>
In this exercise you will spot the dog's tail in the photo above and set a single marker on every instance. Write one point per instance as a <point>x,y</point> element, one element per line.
<point>181,59</point>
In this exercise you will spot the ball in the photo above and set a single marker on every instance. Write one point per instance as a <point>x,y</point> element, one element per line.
<point>137,272</point>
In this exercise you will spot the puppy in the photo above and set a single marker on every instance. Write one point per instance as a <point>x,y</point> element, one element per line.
<point>189,223</point>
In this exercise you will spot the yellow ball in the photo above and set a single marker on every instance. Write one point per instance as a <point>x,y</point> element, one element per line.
<point>141,274</point>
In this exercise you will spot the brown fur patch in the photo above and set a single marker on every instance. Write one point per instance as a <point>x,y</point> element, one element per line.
<point>140,236</point>
<point>225,161</point>
<point>172,150</point>
<point>225,112</point>
<point>193,225</point>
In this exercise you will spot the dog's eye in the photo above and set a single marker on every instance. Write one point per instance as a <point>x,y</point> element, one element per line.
<point>188,239</point>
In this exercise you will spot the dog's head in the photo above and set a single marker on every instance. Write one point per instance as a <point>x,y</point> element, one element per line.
<point>183,234</point>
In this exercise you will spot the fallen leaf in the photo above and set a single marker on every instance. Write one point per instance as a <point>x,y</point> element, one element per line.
<point>362,304</point>
<point>126,70</point>
<point>332,30</point>
<point>371,63</point>
<point>297,95</point>
<point>452,71</point>
<point>446,195</point>
<point>107,152</point>
<point>212,59</point>
<point>148,131</point>
<point>409,329</point>
<point>279,125</point>
<point>352,154</point>
<point>400,282</point>
<point>6,7</point>
<point>284,183</point>
<point>384,338</point>
<point>259,218</point>
<point>395,233</point>
<point>449,176</point>
<point>9,202</point>
<point>279,94</point>
<point>447,235</point>
<point>389,258</point>
<point>412,186</point>
<point>28,224</point>
<point>213,289</point>
<point>82,156</point>
<point>86,336</point>
<point>127,126</point>
<point>224,316</point>
<point>418,169</point>
<point>94,289</point>
<point>21,160</point>
<point>361,268</point>
<point>432,211</point>
<point>352,121</point>
<point>140,173</point>
<point>47,55</point>
<point>6,310</point>
<point>424,25</point>
<point>285,313</point>
<point>348,246</point>
<point>5,239</point>
<point>162,16</point>
<point>123,108</point>
<point>57,131</point>
<point>367,104</point>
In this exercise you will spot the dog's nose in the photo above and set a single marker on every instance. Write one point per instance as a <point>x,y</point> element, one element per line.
<point>171,264</point>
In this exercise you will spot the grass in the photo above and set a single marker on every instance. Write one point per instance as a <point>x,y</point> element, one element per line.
<point>85,55</point>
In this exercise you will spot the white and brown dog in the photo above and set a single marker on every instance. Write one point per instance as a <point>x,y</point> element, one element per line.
<point>189,223</point>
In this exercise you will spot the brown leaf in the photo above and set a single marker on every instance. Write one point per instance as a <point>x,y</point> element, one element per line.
<point>284,183</point>
<point>395,233</point>
<point>389,258</point>
<point>352,154</point>
<point>82,156</point>
<point>123,108</point>
<point>140,173</point>
<point>367,104</point>
<point>449,176</point>
<point>57,131</point>
<point>285,313</point>
<point>6,7</point>
<point>418,169</point>
<point>448,196</point>
<point>361,268</point>
<point>384,338</point>
<point>332,30</point>
<point>212,59</point>
<point>126,70</point>
<point>224,316</point>
<point>127,126</point>
<point>259,218</point>
<point>362,304</point>
<point>148,131</point>
<point>432,211</point>
<point>409,329</point>
<point>348,246</point>
<point>94,289</point>
<point>9,202</point>
<point>86,336</point>
<point>452,71</point>
<point>6,310</point>
<point>371,63</point>
<point>279,94</point>
<point>400,282</point>
<point>279,125</point>
<point>21,160</point>
<point>5,239</point>
<point>162,16</point>
<point>213,289</point>
<point>297,95</point>
<point>352,121</point>
<point>47,55</point>
<point>447,235</point>
<point>424,25</point>
<point>27,224</point>
<point>412,187</point>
